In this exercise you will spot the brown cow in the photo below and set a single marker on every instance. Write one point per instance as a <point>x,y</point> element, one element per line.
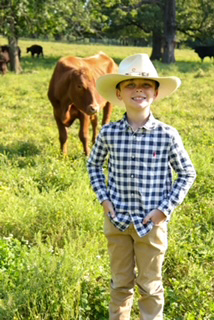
<point>4,58</point>
<point>72,92</point>
<point>6,49</point>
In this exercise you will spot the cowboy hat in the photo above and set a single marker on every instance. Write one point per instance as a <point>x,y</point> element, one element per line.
<point>135,66</point>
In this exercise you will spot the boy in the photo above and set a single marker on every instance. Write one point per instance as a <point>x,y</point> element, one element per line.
<point>140,196</point>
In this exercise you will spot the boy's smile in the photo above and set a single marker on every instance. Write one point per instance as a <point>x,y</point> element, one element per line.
<point>137,93</point>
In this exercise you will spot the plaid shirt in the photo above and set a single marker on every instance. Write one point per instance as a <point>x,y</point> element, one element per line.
<point>140,167</point>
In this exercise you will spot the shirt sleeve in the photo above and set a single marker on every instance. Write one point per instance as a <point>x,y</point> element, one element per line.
<point>95,167</point>
<point>186,175</point>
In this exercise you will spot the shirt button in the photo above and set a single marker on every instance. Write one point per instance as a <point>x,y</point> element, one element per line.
<point>132,175</point>
<point>133,157</point>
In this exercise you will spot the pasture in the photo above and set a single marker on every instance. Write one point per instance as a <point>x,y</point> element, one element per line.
<point>53,257</point>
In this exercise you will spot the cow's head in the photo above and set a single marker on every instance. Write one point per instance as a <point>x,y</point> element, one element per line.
<point>82,91</point>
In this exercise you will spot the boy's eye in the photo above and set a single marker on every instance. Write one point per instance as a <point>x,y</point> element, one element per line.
<point>130,85</point>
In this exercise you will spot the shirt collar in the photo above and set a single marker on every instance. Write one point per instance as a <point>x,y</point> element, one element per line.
<point>149,125</point>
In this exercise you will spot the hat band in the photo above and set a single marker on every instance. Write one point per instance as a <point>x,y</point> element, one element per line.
<point>142,74</point>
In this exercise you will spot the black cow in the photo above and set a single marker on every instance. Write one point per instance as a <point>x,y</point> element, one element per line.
<point>35,49</point>
<point>5,48</point>
<point>204,51</point>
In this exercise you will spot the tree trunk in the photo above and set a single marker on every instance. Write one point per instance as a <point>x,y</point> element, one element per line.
<point>14,58</point>
<point>169,31</point>
<point>156,46</point>
<point>13,44</point>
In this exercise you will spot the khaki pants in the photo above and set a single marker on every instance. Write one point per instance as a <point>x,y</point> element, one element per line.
<point>127,250</point>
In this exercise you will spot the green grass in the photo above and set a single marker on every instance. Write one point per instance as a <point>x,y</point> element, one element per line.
<point>53,258</point>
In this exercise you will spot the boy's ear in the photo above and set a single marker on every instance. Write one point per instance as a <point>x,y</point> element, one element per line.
<point>156,93</point>
<point>118,94</point>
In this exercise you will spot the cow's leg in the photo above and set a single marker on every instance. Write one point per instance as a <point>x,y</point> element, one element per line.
<point>107,111</point>
<point>94,123</point>
<point>84,132</point>
<point>63,135</point>
<point>3,67</point>
<point>64,116</point>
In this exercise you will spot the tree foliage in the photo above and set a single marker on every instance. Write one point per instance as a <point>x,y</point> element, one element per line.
<point>135,18</point>
<point>42,17</point>
<point>131,19</point>
<point>195,20</point>
<point>20,18</point>
<point>132,22</point>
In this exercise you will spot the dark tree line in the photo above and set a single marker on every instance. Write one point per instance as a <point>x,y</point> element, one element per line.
<point>161,22</point>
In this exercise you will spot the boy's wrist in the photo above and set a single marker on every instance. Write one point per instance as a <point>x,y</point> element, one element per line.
<point>102,195</point>
<point>165,208</point>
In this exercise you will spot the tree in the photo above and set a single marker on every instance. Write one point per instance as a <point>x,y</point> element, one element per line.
<point>160,20</point>
<point>169,31</point>
<point>150,17</point>
<point>195,20</point>
<point>128,21</point>
<point>8,22</point>
<point>125,20</point>
<point>39,17</point>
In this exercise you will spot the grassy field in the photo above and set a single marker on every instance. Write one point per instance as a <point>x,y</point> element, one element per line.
<point>53,258</point>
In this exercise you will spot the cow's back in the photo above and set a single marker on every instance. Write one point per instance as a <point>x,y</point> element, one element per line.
<point>101,64</point>
<point>97,65</point>
<point>204,51</point>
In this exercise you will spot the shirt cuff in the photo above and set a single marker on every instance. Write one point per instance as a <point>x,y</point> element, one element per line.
<point>102,196</point>
<point>166,208</point>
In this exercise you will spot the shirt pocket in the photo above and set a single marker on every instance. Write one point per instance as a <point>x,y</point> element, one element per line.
<point>151,159</point>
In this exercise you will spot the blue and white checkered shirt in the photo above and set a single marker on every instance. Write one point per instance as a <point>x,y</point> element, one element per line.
<point>140,176</point>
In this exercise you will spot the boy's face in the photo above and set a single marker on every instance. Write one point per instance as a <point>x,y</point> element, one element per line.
<point>137,93</point>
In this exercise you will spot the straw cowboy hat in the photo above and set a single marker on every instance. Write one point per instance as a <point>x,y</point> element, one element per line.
<point>136,66</point>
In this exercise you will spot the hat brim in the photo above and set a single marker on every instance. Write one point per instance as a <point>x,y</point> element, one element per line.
<point>106,86</point>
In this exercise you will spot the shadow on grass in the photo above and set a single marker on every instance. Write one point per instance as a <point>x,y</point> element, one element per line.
<point>20,148</point>
<point>35,63</point>
<point>189,66</point>
<point>185,66</point>
<point>45,63</point>
<point>49,62</point>
<point>39,63</point>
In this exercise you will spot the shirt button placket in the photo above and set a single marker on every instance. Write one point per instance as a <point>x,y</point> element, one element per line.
<point>134,146</point>
<point>133,157</point>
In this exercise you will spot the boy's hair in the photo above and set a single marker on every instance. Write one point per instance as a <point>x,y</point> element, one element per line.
<point>157,84</point>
